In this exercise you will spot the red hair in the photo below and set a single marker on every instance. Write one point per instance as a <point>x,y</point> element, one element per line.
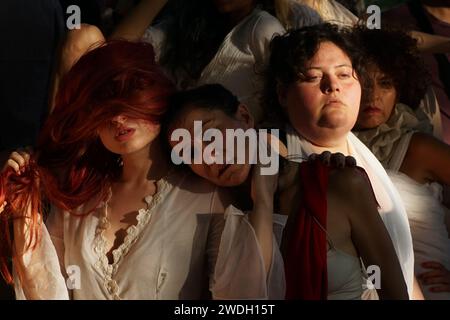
<point>71,166</point>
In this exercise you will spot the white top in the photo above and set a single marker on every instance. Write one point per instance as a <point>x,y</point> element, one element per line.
<point>346,276</point>
<point>423,202</point>
<point>302,15</point>
<point>184,244</point>
<point>391,208</point>
<point>240,60</point>
<point>333,12</point>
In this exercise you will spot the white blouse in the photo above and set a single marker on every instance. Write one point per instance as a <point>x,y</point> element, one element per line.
<point>240,60</point>
<point>184,246</point>
<point>333,12</point>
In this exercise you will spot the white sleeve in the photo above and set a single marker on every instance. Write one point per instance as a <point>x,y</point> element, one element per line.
<point>265,29</point>
<point>302,16</point>
<point>155,35</point>
<point>239,271</point>
<point>37,273</point>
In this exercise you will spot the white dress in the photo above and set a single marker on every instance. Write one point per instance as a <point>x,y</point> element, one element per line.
<point>240,60</point>
<point>423,202</point>
<point>391,208</point>
<point>184,246</point>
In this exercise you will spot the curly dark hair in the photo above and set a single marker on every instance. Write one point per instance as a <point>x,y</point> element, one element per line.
<point>396,54</point>
<point>289,55</point>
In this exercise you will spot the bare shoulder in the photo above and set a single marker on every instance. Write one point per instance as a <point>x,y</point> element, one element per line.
<point>422,143</point>
<point>348,179</point>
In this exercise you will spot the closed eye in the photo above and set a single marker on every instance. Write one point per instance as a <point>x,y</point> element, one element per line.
<point>344,75</point>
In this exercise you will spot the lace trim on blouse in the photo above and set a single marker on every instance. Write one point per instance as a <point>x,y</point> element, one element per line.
<point>133,232</point>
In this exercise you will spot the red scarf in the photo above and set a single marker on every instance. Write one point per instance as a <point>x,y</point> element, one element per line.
<point>305,254</point>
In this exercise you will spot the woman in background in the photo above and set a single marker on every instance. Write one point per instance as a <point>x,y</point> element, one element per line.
<point>393,126</point>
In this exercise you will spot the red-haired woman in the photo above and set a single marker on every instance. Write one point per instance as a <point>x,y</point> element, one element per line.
<point>124,224</point>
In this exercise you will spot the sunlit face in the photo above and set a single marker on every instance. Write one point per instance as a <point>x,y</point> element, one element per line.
<point>323,105</point>
<point>234,6</point>
<point>224,175</point>
<point>122,135</point>
<point>379,106</point>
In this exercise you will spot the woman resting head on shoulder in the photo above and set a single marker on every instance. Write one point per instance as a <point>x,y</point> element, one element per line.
<point>115,195</point>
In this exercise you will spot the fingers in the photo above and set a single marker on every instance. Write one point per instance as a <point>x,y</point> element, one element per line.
<point>2,206</point>
<point>337,160</point>
<point>442,288</point>
<point>18,160</point>
<point>431,274</point>
<point>325,157</point>
<point>350,161</point>
<point>432,265</point>
<point>438,274</point>
<point>436,280</point>
<point>13,164</point>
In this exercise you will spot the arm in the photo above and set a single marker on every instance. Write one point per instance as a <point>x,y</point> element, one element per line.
<point>263,190</point>
<point>430,43</point>
<point>37,273</point>
<point>133,26</point>
<point>76,44</point>
<point>427,160</point>
<point>417,291</point>
<point>36,266</point>
<point>438,276</point>
<point>236,264</point>
<point>368,232</point>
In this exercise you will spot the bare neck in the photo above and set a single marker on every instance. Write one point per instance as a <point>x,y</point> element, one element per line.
<point>149,163</point>
<point>331,146</point>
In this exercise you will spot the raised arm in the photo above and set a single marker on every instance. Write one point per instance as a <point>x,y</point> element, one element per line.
<point>427,160</point>
<point>133,26</point>
<point>431,43</point>
<point>36,267</point>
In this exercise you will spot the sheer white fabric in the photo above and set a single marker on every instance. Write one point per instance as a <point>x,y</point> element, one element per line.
<point>37,274</point>
<point>302,16</point>
<point>423,204</point>
<point>239,62</point>
<point>384,141</point>
<point>333,12</point>
<point>430,105</point>
<point>427,220</point>
<point>184,244</point>
<point>391,209</point>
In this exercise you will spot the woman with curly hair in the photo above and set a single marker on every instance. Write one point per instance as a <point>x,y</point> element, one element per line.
<point>315,78</point>
<point>393,126</point>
